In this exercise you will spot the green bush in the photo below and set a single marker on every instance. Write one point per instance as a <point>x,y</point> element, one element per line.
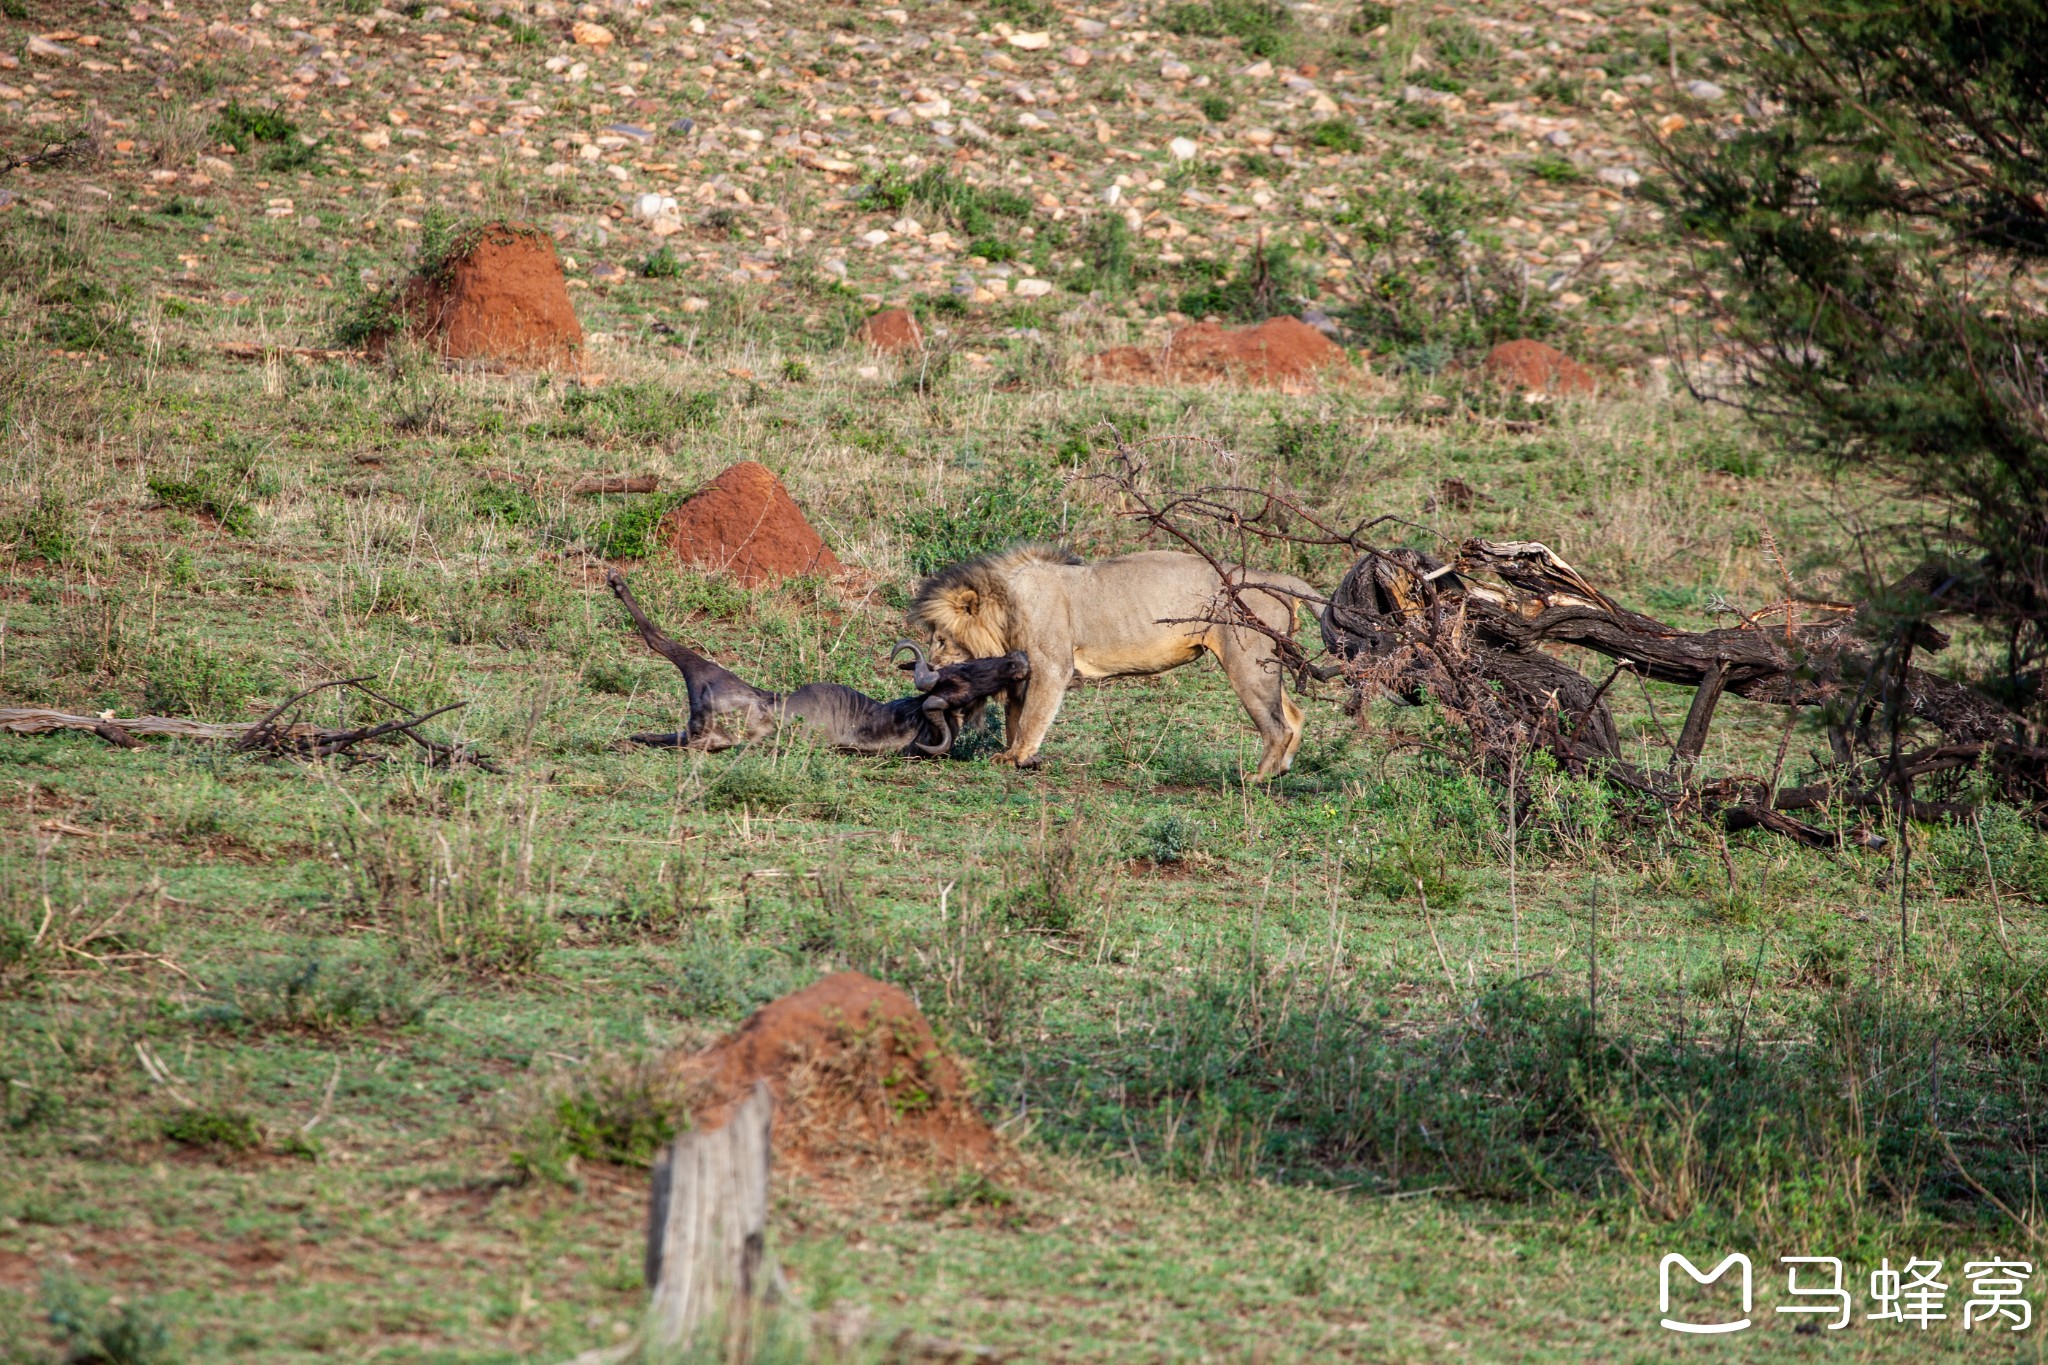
<point>1021,503</point>
<point>662,264</point>
<point>633,532</point>
<point>48,530</point>
<point>242,127</point>
<point>213,1130</point>
<point>496,500</point>
<point>617,1111</point>
<point>1108,257</point>
<point>315,996</point>
<point>1336,135</point>
<point>189,678</point>
<point>1271,281</point>
<point>649,413</point>
<point>212,491</point>
<point>1262,26</point>
<point>1217,107</point>
<point>103,1335</point>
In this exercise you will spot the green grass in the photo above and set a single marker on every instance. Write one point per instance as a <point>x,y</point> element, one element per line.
<point>1297,1074</point>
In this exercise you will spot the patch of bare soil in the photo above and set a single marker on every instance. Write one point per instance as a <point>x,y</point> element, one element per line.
<point>501,297</point>
<point>1279,353</point>
<point>860,1083</point>
<point>745,523</point>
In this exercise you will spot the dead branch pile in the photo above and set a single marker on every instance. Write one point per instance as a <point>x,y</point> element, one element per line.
<point>1474,634</point>
<point>280,733</point>
<point>1428,629</point>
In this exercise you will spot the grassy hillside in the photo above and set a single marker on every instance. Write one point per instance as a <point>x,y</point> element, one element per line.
<point>312,1059</point>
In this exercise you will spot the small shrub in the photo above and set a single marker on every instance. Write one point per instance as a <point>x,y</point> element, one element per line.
<point>1021,503</point>
<point>48,530</point>
<point>101,1335</point>
<point>633,532</point>
<point>611,677</point>
<point>227,1131</point>
<point>496,500</point>
<point>242,127</point>
<point>1336,135</point>
<point>1409,866</point>
<point>294,155</point>
<point>1170,838</point>
<point>1262,26</point>
<point>317,997</point>
<point>1556,170</point>
<point>1108,257</point>
<point>189,678</point>
<point>991,249</point>
<point>649,413</point>
<point>1272,281</point>
<point>796,371</point>
<point>1458,44</point>
<point>1062,876</point>
<point>971,1189</point>
<point>210,491</point>
<point>467,894</point>
<point>1217,108</point>
<point>614,1110</point>
<point>662,264</point>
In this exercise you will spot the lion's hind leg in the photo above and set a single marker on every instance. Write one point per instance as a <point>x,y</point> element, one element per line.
<point>1251,663</point>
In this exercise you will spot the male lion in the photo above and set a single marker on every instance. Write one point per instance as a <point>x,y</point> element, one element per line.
<point>1138,613</point>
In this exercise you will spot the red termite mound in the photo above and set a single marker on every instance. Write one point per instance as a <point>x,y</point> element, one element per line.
<point>1532,367</point>
<point>498,296</point>
<point>1281,353</point>
<point>745,522</point>
<point>857,1077</point>
<point>891,332</point>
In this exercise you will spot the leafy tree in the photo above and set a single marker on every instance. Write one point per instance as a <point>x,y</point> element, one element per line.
<point>1879,224</point>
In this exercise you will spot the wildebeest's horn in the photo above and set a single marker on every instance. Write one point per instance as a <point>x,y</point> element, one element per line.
<point>922,675</point>
<point>942,718</point>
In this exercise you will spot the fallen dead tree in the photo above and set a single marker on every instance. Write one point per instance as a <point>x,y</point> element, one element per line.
<point>1469,634</point>
<point>280,733</point>
<point>1472,634</point>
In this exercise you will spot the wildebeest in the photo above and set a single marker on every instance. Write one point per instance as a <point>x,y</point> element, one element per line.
<point>924,723</point>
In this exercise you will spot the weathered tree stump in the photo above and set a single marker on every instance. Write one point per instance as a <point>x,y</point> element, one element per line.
<point>707,1228</point>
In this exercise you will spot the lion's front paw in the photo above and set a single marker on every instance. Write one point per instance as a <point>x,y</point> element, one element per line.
<point>1002,760</point>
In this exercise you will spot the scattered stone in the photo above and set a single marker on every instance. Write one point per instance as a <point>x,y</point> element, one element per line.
<point>1076,56</point>
<point>1171,70</point>
<point>588,34</point>
<point>1032,289</point>
<point>893,331</point>
<point>501,297</point>
<point>1282,353</point>
<point>1621,177</point>
<point>1704,91</point>
<point>1533,367</point>
<point>1183,149</point>
<point>1031,42</point>
<point>217,167</point>
<point>745,523</point>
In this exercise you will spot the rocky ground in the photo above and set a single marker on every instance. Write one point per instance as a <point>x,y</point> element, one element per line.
<point>778,147</point>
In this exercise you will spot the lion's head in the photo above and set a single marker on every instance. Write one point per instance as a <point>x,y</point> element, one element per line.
<point>966,607</point>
